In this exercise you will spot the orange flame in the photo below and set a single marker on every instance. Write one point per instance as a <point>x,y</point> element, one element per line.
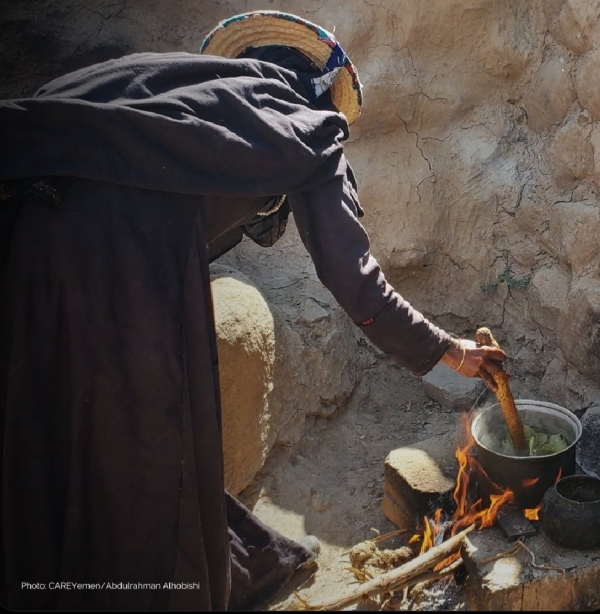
<point>427,535</point>
<point>533,513</point>
<point>462,479</point>
<point>432,531</point>
<point>464,514</point>
<point>529,482</point>
<point>467,514</point>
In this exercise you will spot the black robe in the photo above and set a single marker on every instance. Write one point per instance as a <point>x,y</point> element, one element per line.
<point>116,182</point>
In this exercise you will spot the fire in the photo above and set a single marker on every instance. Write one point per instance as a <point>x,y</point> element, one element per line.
<point>466,514</point>
<point>530,482</point>
<point>534,513</point>
<point>433,532</point>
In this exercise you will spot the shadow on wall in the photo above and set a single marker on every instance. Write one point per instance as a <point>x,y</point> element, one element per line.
<point>42,41</point>
<point>34,50</point>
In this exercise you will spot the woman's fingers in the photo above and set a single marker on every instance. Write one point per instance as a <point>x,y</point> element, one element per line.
<point>477,360</point>
<point>488,378</point>
<point>489,361</point>
<point>494,353</point>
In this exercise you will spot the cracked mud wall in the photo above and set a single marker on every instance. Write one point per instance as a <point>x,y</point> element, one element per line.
<point>478,161</point>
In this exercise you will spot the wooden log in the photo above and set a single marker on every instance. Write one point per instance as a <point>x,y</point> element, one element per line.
<point>504,395</point>
<point>396,578</point>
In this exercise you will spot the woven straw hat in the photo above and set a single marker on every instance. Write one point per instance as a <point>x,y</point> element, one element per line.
<point>261,28</point>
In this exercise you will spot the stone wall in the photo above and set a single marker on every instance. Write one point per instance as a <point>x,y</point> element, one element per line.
<point>477,155</point>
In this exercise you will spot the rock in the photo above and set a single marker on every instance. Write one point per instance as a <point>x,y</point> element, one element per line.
<point>317,359</point>
<point>564,385</point>
<point>588,71</point>
<point>312,543</point>
<point>572,233</point>
<point>578,25</point>
<point>579,328</point>
<point>554,381</point>
<point>570,155</point>
<point>276,367</point>
<point>449,389</point>
<point>311,312</point>
<point>588,449</point>
<point>582,393</point>
<point>525,361</point>
<point>550,94</point>
<point>547,296</point>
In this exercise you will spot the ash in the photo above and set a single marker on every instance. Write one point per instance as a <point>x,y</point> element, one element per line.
<point>442,596</point>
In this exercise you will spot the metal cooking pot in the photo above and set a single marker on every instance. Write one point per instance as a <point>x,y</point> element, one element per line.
<point>527,476</point>
<point>570,512</point>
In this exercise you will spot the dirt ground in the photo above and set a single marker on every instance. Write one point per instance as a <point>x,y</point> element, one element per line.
<point>331,484</point>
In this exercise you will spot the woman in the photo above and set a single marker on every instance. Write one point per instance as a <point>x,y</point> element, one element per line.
<point>120,183</point>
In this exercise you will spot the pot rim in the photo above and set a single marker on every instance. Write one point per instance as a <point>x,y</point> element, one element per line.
<point>530,404</point>
<point>576,476</point>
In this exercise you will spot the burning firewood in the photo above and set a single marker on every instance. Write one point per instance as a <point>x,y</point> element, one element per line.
<point>396,579</point>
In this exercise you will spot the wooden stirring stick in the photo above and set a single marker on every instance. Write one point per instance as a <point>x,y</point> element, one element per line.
<point>504,395</point>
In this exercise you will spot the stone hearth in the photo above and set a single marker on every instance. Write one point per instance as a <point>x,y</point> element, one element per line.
<point>420,477</point>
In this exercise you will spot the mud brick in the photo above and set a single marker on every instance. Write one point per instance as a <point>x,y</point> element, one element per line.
<point>418,479</point>
<point>512,583</point>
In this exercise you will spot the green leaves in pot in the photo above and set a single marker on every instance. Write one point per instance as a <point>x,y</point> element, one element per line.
<point>539,443</point>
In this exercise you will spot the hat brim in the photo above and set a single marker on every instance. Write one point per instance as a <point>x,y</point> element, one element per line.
<point>262,28</point>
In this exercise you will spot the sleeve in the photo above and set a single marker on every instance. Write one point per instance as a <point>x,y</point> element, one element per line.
<point>327,220</point>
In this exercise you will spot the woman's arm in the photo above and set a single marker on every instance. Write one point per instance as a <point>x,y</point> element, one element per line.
<point>327,220</point>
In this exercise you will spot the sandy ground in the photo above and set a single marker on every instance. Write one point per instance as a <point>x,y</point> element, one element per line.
<point>330,485</point>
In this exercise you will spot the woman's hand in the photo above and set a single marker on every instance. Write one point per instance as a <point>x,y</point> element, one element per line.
<point>473,360</point>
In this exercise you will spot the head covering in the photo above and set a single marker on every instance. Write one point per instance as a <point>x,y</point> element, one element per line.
<point>303,68</point>
<point>231,37</point>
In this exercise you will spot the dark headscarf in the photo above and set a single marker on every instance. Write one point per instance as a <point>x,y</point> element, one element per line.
<point>266,229</point>
<point>294,60</point>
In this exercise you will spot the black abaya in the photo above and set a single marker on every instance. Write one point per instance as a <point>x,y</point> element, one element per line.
<point>112,458</point>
